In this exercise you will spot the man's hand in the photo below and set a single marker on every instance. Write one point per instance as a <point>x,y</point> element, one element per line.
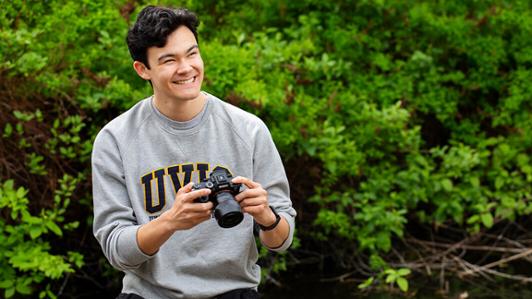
<point>184,214</point>
<point>254,201</point>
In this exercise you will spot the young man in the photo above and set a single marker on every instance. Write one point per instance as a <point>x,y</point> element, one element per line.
<point>146,161</point>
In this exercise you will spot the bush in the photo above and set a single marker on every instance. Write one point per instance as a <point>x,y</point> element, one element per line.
<point>407,117</point>
<point>27,257</point>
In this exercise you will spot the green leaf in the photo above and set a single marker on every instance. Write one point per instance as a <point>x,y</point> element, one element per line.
<point>23,289</point>
<point>19,115</point>
<point>475,182</point>
<point>402,283</point>
<point>21,192</point>
<point>447,185</point>
<point>473,219</point>
<point>76,258</point>
<point>20,128</point>
<point>35,231</point>
<point>53,227</point>
<point>8,130</point>
<point>376,262</point>
<point>39,115</point>
<point>499,182</point>
<point>391,278</point>
<point>9,184</point>
<point>9,292</point>
<point>389,271</point>
<point>403,271</point>
<point>6,284</point>
<point>383,241</point>
<point>487,219</point>
<point>51,294</point>
<point>366,283</point>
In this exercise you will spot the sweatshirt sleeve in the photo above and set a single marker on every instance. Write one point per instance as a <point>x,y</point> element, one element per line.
<point>269,171</point>
<point>115,226</point>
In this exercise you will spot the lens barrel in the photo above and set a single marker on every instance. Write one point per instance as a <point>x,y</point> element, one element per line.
<point>227,212</point>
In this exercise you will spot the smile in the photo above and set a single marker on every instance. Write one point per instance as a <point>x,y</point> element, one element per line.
<point>191,80</point>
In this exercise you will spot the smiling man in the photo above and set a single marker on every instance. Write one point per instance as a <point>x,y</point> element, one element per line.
<point>147,165</point>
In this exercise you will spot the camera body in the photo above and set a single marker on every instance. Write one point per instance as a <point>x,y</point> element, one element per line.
<point>226,209</point>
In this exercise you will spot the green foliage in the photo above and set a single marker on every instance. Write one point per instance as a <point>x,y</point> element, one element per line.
<point>66,139</point>
<point>414,112</point>
<point>27,259</point>
<point>410,111</point>
<point>397,277</point>
<point>389,276</point>
<point>61,55</point>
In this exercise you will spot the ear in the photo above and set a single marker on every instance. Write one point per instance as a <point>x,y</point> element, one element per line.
<point>141,70</point>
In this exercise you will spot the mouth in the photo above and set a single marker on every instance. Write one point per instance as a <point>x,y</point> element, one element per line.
<point>187,81</point>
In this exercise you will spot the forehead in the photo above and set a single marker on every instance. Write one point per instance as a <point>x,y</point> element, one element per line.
<point>177,43</point>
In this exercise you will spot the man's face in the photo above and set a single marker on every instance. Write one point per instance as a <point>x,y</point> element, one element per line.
<point>176,70</point>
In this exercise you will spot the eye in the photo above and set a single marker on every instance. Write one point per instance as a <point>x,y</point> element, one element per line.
<point>193,53</point>
<point>167,61</point>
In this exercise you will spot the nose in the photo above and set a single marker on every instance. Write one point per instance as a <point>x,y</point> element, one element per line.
<point>184,68</point>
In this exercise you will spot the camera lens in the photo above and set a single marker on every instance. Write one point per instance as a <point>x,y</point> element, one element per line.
<point>227,212</point>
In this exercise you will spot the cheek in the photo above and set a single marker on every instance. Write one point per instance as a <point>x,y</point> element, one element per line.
<point>165,73</point>
<point>199,64</point>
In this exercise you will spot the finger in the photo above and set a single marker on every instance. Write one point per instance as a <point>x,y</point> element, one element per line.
<point>192,195</point>
<point>198,207</point>
<point>259,192</point>
<point>186,188</point>
<point>249,183</point>
<point>253,210</point>
<point>254,201</point>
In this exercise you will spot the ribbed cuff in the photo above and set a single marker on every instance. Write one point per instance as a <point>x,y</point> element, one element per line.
<point>130,253</point>
<point>291,224</point>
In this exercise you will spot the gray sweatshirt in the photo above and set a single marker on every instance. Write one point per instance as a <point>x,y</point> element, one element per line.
<point>139,161</point>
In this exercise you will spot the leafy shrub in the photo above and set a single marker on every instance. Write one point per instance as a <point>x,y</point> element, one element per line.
<point>410,113</point>
<point>27,259</point>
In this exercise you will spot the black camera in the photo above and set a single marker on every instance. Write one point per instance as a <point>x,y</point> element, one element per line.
<point>226,209</point>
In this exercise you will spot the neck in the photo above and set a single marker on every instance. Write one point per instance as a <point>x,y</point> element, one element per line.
<point>179,110</point>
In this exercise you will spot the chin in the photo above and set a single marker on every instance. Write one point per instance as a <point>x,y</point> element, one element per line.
<point>188,97</point>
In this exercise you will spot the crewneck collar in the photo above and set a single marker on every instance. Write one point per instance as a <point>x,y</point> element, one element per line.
<point>180,126</point>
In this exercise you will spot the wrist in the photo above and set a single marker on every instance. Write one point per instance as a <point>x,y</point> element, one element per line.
<point>167,222</point>
<point>272,223</point>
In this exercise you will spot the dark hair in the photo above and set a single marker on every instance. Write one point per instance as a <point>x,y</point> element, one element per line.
<point>153,26</point>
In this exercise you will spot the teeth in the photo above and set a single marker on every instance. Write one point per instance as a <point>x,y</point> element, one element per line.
<point>185,81</point>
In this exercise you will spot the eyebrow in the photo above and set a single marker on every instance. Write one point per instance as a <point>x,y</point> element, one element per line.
<point>175,54</point>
